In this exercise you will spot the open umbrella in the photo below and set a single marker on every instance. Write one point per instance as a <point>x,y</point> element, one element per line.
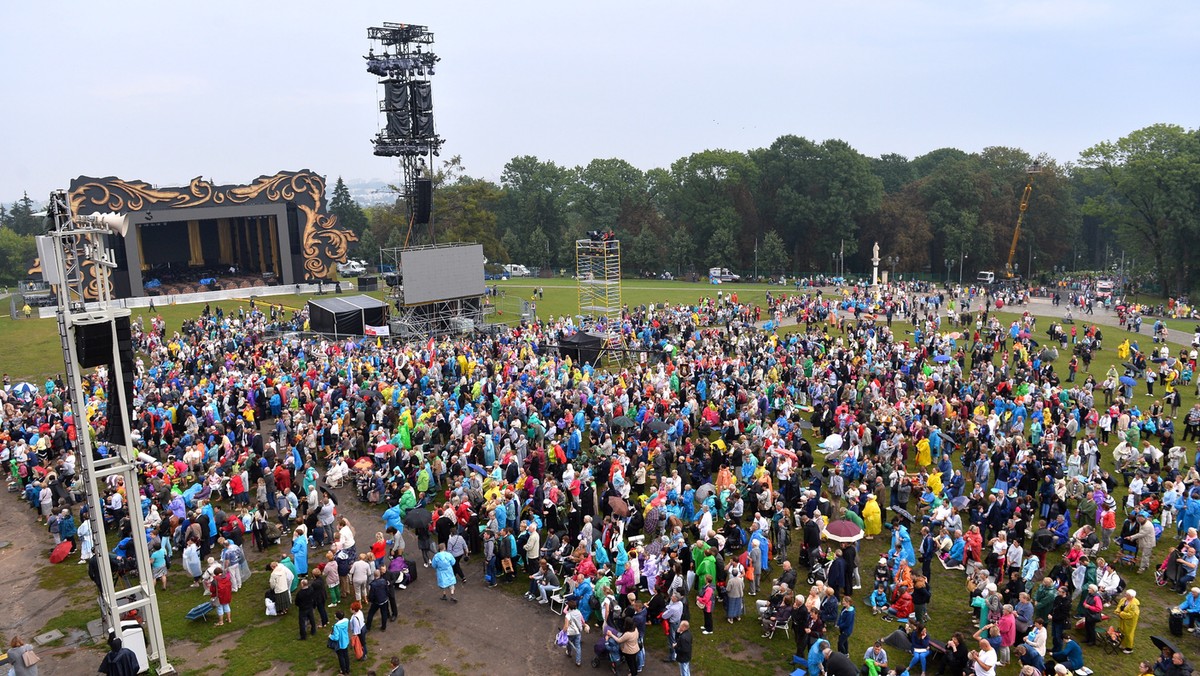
<point>383,449</point>
<point>1048,354</point>
<point>903,513</point>
<point>804,425</point>
<point>24,390</point>
<point>942,358</point>
<point>704,491</point>
<point>619,506</point>
<point>955,335</point>
<point>477,468</point>
<point>418,518</point>
<point>364,463</point>
<point>833,442</point>
<point>61,551</point>
<point>1158,360</point>
<point>1163,644</point>
<point>1126,380</point>
<point>960,502</point>
<point>659,426</point>
<point>623,421</point>
<point>843,531</point>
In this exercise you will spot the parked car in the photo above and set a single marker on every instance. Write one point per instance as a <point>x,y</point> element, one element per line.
<point>517,270</point>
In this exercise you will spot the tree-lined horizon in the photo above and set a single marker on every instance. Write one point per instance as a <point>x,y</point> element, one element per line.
<point>802,207</point>
<point>797,204</point>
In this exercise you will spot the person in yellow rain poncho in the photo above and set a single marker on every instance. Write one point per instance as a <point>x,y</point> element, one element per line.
<point>934,483</point>
<point>1128,610</point>
<point>1123,350</point>
<point>924,459</point>
<point>872,517</point>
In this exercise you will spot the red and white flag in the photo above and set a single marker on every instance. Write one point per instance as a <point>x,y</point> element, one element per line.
<point>376,330</point>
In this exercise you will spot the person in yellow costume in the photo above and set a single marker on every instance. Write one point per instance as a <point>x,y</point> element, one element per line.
<point>872,517</point>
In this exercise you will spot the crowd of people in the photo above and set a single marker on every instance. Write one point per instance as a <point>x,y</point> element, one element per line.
<point>700,476</point>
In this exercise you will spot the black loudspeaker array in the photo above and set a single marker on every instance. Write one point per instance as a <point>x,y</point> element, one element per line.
<point>398,109</point>
<point>424,201</point>
<point>94,347</point>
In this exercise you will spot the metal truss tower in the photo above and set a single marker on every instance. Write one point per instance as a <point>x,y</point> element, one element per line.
<point>598,280</point>
<point>100,330</point>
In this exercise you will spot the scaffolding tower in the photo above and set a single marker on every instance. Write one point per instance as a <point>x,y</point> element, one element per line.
<point>598,279</point>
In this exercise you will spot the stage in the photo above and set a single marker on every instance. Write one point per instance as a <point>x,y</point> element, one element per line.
<point>200,238</point>
<point>220,253</point>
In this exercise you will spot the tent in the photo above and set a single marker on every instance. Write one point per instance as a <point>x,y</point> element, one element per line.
<point>346,316</point>
<point>581,347</point>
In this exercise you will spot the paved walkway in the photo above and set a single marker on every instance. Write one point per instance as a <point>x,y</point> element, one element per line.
<point>1044,307</point>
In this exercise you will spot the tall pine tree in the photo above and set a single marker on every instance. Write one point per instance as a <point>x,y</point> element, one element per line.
<point>349,214</point>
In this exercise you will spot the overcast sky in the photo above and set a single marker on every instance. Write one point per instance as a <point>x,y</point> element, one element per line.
<point>165,91</point>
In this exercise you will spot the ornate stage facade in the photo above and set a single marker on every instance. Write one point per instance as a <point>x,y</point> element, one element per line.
<point>274,231</point>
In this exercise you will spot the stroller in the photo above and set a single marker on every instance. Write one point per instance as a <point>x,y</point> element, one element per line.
<point>606,652</point>
<point>818,566</point>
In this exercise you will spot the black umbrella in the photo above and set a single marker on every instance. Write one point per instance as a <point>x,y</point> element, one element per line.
<point>623,421</point>
<point>659,426</point>
<point>325,489</point>
<point>1163,644</point>
<point>903,513</point>
<point>418,518</point>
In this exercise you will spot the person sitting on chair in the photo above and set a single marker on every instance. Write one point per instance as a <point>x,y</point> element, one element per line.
<point>1191,610</point>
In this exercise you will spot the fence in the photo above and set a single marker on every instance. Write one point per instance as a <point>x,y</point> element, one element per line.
<point>206,296</point>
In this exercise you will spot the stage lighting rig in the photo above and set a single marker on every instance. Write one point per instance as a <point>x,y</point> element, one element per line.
<point>400,58</point>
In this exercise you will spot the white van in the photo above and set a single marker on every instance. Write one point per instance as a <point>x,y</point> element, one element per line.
<point>722,275</point>
<point>516,270</point>
<point>352,268</point>
<point>985,277</point>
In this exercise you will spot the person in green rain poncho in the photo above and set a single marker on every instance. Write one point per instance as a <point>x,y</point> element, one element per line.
<point>706,565</point>
<point>423,478</point>
<point>408,497</point>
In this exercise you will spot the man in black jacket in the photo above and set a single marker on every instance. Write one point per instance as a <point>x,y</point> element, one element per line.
<point>683,647</point>
<point>307,600</point>
<point>377,594</point>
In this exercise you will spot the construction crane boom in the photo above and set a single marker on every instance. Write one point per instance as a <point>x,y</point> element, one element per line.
<point>1030,171</point>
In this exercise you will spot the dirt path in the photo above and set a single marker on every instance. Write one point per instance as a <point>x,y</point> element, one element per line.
<point>27,607</point>
<point>487,631</point>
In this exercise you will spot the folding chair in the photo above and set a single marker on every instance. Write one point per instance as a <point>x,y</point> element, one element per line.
<point>558,599</point>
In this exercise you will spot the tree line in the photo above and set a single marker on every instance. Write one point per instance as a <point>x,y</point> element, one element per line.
<point>801,207</point>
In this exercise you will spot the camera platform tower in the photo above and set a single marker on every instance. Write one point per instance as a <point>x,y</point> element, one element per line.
<point>598,281</point>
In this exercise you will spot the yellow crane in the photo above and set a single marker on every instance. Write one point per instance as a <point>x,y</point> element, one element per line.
<point>1030,172</point>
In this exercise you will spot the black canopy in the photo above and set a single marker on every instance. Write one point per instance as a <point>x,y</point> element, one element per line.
<point>346,316</point>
